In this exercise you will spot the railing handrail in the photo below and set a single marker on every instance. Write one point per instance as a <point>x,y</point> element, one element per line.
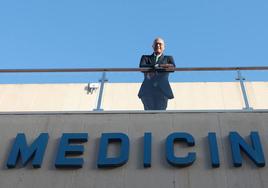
<point>129,69</point>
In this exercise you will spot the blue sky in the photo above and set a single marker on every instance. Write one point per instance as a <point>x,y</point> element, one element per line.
<point>97,33</point>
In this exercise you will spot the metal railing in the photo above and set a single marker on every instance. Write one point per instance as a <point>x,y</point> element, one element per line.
<point>104,79</point>
<point>129,69</point>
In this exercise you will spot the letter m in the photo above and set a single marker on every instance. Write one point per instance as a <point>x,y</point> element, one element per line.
<point>35,151</point>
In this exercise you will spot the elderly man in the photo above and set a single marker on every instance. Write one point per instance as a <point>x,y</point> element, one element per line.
<point>155,89</point>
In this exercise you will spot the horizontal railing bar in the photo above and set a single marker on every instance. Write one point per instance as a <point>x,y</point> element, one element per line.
<point>128,69</point>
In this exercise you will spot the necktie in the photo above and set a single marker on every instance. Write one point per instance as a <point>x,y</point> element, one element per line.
<point>156,58</point>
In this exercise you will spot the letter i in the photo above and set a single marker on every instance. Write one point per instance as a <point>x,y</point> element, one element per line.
<point>213,148</point>
<point>147,150</point>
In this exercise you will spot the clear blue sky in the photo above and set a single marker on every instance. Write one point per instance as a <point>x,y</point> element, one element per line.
<point>97,33</point>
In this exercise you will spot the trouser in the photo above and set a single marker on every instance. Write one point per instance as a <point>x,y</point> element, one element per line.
<point>154,102</point>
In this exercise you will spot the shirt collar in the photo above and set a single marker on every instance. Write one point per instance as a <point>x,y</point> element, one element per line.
<point>158,55</point>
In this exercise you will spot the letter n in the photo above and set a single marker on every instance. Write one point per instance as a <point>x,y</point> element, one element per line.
<point>254,152</point>
<point>21,149</point>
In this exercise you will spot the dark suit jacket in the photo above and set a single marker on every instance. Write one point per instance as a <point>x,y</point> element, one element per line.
<point>159,82</point>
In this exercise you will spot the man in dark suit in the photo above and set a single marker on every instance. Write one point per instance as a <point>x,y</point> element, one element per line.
<point>155,89</point>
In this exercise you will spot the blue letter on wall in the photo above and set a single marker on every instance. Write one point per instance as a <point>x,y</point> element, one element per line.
<point>170,156</point>
<point>213,148</point>
<point>66,149</point>
<point>255,152</point>
<point>35,151</point>
<point>147,150</point>
<point>103,159</point>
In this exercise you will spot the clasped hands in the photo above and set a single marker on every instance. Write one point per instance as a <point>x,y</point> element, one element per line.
<point>166,67</point>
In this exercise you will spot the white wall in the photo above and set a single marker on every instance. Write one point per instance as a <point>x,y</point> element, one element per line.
<point>132,174</point>
<point>123,96</point>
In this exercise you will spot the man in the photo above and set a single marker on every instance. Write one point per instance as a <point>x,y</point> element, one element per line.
<point>155,89</point>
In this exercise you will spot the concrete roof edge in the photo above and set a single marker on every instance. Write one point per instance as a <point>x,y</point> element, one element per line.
<point>130,112</point>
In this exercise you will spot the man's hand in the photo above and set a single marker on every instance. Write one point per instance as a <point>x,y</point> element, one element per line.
<point>168,67</point>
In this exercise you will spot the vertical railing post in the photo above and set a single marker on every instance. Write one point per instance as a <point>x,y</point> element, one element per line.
<point>243,89</point>
<point>102,81</point>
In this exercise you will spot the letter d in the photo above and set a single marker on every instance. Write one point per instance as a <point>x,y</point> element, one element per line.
<point>103,159</point>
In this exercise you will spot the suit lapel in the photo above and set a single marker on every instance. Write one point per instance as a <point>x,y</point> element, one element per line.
<point>153,58</point>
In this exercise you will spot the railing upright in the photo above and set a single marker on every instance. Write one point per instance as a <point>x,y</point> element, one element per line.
<point>243,89</point>
<point>102,81</point>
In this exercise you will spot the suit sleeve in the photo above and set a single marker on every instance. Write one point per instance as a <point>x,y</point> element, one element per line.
<point>144,62</point>
<point>171,61</point>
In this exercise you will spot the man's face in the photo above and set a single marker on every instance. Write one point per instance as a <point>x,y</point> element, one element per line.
<point>158,46</point>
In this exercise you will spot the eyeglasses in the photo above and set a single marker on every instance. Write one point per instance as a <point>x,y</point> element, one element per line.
<point>158,43</point>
